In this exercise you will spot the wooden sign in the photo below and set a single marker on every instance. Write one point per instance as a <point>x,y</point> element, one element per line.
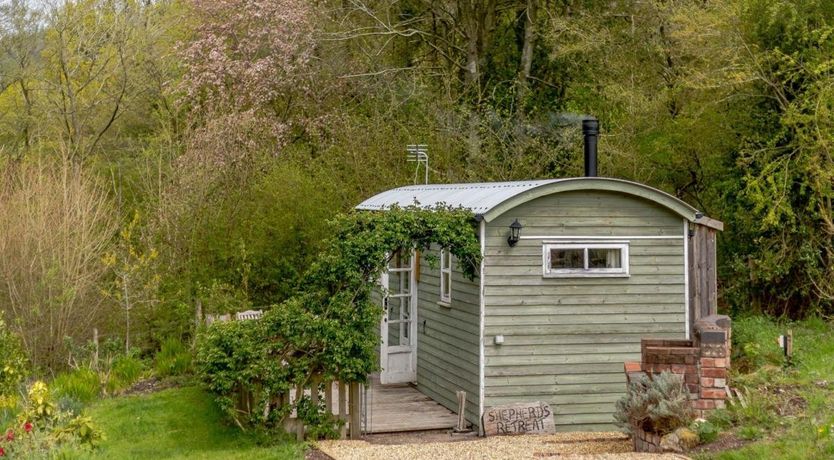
<point>521,418</point>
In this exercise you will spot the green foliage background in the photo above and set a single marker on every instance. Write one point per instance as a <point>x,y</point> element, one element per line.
<point>234,164</point>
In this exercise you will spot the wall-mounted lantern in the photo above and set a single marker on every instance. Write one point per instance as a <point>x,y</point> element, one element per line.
<point>515,230</point>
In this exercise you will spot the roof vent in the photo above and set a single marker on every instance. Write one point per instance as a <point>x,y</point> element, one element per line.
<point>590,130</point>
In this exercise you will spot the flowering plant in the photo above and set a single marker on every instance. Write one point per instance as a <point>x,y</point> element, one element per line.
<point>41,427</point>
<point>39,407</point>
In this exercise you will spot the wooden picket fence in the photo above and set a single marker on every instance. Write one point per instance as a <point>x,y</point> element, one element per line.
<point>239,316</point>
<point>342,400</point>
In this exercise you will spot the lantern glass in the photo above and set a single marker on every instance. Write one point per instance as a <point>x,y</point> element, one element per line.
<point>515,233</point>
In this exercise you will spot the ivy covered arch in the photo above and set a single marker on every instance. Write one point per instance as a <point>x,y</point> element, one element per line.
<point>329,327</point>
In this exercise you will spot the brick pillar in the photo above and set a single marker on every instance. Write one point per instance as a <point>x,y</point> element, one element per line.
<point>712,335</point>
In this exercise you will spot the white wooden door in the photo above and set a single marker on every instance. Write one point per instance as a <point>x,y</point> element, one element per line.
<point>398,350</point>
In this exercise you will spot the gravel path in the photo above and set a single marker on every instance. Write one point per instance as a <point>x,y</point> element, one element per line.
<point>584,446</point>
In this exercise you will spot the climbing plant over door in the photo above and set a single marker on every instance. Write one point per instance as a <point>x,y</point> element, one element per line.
<point>329,327</point>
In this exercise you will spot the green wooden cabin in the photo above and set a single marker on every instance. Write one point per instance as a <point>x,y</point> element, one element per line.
<point>597,265</point>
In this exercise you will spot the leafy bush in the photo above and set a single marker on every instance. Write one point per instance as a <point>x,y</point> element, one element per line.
<point>13,365</point>
<point>173,359</point>
<point>707,432</point>
<point>39,406</point>
<point>227,354</point>
<point>659,404</point>
<point>321,424</point>
<point>124,372</point>
<point>81,430</point>
<point>83,385</point>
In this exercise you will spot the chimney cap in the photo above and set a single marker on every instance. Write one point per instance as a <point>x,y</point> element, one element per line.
<point>590,126</point>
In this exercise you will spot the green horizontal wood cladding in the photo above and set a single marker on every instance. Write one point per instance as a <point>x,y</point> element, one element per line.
<point>565,339</point>
<point>592,187</point>
<point>448,339</point>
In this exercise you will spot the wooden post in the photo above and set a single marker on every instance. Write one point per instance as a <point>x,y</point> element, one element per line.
<point>355,411</point>
<point>343,408</point>
<point>461,411</point>
<point>299,424</point>
<point>703,286</point>
<point>314,390</point>
<point>95,344</point>
<point>328,397</point>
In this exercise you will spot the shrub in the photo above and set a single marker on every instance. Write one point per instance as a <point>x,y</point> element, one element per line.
<point>39,406</point>
<point>13,364</point>
<point>750,433</point>
<point>58,222</point>
<point>721,418</point>
<point>707,432</point>
<point>227,357</point>
<point>754,343</point>
<point>83,385</point>
<point>124,372</point>
<point>173,359</point>
<point>80,430</point>
<point>70,405</point>
<point>659,404</point>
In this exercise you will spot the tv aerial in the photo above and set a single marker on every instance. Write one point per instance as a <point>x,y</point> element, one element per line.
<point>419,154</point>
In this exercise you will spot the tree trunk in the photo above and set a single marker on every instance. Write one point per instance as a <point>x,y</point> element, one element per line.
<point>477,19</point>
<point>529,40</point>
<point>526,64</point>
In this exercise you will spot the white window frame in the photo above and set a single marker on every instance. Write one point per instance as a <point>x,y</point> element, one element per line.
<point>622,272</point>
<point>445,270</point>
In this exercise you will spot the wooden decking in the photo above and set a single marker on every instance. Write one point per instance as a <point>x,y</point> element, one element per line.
<point>401,407</point>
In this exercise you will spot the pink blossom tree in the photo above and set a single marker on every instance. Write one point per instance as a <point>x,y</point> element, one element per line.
<point>248,57</point>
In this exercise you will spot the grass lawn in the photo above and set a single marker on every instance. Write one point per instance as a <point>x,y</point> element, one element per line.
<point>178,423</point>
<point>790,409</point>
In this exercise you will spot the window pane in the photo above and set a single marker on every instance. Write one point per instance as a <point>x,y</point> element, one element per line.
<point>405,319</point>
<point>447,284</point>
<point>567,258</point>
<point>394,308</point>
<point>403,283</point>
<point>604,258</point>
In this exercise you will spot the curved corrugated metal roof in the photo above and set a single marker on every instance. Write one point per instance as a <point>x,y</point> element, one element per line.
<point>480,197</point>
<point>491,199</point>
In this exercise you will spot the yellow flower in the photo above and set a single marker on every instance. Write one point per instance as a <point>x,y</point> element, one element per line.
<point>8,401</point>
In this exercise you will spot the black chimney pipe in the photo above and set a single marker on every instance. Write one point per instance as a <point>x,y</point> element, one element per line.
<point>590,129</point>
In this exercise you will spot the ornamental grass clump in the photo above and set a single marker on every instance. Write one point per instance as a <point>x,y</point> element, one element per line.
<point>173,358</point>
<point>656,404</point>
<point>124,372</point>
<point>82,385</point>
